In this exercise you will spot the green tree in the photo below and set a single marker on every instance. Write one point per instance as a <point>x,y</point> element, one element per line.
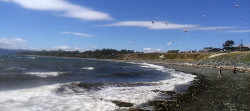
<point>228,44</point>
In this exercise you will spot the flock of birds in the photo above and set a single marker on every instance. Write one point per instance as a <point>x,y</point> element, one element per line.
<point>236,5</point>
<point>204,15</point>
<point>185,30</point>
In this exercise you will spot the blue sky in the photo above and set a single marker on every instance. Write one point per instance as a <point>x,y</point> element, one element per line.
<point>122,24</point>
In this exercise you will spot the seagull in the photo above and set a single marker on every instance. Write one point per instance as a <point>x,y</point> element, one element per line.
<point>153,22</point>
<point>204,15</point>
<point>237,5</point>
<point>169,43</point>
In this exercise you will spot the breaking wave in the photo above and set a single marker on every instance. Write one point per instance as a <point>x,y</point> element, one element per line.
<point>88,68</point>
<point>44,74</point>
<point>95,90</point>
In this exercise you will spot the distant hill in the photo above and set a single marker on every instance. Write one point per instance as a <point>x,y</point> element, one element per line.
<point>11,51</point>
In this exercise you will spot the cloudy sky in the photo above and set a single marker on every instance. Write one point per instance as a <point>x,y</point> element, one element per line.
<point>141,25</point>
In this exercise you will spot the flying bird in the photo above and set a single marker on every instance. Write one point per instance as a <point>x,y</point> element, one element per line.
<point>153,22</point>
<point>166,23</point>
<point>237,5</point>
<point>185,31</point>
<point>169,43</point>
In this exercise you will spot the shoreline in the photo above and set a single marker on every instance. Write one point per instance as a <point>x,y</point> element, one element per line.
<point>184,64</point>
<point>208,92</point>
<point>188,63</point>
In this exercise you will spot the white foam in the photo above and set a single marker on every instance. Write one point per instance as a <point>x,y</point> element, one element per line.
<point>147,65</point>
<point>31,57</point>
<point>136,95</point>
<point>141,94</point>
<point>16,68</point>
<point>88,68</point>
<point>178,77</point>
<point>131,62</point>
<point>45,99</point>
<point>44,74</point>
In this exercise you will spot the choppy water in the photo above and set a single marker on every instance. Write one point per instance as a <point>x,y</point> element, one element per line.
<point>33,83</point>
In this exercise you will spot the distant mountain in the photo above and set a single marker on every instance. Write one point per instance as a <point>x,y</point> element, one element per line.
<point>11,51</point>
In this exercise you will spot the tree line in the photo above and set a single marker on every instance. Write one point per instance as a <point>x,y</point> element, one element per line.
<point>98,54</point>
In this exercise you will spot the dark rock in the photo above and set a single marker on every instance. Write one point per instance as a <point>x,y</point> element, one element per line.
<point>135,109</point>
<point>122,104</point>
<point>171,93</point>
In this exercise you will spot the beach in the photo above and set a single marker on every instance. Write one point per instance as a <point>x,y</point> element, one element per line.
<point>125,55</point>
<point>208,92</point>
<point>119,85</point>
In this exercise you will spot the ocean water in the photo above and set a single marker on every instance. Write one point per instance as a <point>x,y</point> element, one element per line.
<point>34,83</point>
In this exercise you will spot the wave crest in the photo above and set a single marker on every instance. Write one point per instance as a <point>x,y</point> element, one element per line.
<point>44,74</point>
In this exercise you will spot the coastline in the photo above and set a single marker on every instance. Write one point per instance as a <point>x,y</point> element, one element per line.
<point>208,92</point>
<point>210,62</point>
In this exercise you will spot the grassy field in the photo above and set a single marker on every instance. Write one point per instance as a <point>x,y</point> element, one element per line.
<point>239,56</point>
<point>239,59</point>
<point>167,56</point>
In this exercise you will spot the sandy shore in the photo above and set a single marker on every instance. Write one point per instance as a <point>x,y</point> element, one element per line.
<point>208,92</point>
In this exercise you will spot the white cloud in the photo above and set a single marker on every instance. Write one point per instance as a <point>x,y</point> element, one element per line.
<point>61,48</point>
<point>214,28</point>
<point>147,49</point>
<point>150,25</point>
<point>91,48</point>
<point>77,49</point>
<point>237,31</point>
<point>12,43</point>
<point>152,50</point>
<point>63,8</point>
<point>163,25</point>
<point>78,34</point>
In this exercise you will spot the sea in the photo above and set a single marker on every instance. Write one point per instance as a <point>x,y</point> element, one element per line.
<point>40,83</point>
